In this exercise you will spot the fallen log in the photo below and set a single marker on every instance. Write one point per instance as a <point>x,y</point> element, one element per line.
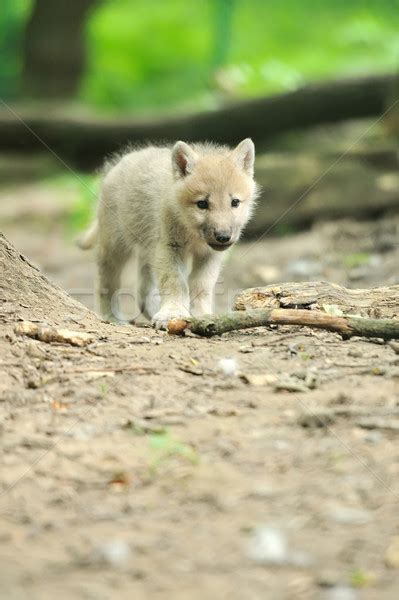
<point>86,141</point>
<point>299,189</point>
<point>315,295</point>
<point>346,326</point>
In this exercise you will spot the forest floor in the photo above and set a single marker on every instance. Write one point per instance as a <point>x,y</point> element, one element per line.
<point>136,467</point>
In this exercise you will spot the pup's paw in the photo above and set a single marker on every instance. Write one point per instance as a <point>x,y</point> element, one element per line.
<point>161,319</point>
<point>115,320</point>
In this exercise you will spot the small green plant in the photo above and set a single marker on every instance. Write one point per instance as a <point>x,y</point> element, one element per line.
<point>164,446</point>
<point>103,389</point>
<point>360,578</point>
<point>355,260</point>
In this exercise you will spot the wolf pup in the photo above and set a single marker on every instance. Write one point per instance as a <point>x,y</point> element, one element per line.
<point>179,208</point>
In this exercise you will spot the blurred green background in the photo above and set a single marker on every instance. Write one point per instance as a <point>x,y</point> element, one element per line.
<point>179,55</point>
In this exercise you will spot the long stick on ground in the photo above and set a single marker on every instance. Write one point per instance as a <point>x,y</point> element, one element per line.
<point>347,326</point>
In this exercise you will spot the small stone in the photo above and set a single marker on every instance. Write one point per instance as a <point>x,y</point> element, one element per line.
<point>82,433</point>
<point>345,515</point>
<point>342,398</point>
<point>316,419</point>
<point>281,445</point>
<point>114,553</point>
<point>340,592</point>
<point>328,579</point>
<point>355,353</point>
<point>268,546</point>
<point>263,491</point>
<point>290,384</point>
<point>311,379</point>
<point>228,366</point>
<point>373,437</point>
<point>392,554</point>
<point>34,350</point>
<point>246,349</point>
<point>191,368</point>
<point>258,379</point>
<point>33,383</point>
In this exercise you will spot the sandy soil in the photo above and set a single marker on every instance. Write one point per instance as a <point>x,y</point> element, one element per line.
<point>137,467</point>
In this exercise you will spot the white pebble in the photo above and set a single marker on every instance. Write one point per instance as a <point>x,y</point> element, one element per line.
<point>114,553</point>
<point>346,515</point>
<point>341,593</point>
<point>228,366</point>
<point>268,546</point>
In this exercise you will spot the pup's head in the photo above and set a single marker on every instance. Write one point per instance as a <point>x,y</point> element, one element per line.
<point>216,190</point>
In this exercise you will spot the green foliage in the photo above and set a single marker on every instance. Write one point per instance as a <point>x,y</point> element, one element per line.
<point>143,54</point>
<point>13,16</point>
<point>187,55</point>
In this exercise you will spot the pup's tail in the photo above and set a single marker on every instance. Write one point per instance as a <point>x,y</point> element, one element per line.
<point>89,237</point>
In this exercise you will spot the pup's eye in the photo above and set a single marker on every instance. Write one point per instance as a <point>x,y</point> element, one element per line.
<point>203,204</point>
<point>235,202</point>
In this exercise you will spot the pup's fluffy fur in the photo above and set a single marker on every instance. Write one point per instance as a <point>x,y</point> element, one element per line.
<point>149,201</point>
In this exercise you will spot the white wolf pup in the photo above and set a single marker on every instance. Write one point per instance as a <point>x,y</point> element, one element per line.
<point>180,208</point>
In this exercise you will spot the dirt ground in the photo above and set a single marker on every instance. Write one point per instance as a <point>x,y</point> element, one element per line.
<point>145,466</point>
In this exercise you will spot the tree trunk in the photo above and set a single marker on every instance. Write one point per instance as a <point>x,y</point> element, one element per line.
<point>27,294</point>
<point>87,142</point>
<point>374,302</point>
<point>54,48</point>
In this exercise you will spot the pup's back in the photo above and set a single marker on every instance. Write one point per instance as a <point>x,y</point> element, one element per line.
<point>132,192</point>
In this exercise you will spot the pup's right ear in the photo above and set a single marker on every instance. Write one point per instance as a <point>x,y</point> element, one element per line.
<point>183,159</point>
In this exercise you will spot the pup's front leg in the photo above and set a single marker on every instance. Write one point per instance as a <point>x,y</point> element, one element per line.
<point>203,279</point>
<point>172,283</point>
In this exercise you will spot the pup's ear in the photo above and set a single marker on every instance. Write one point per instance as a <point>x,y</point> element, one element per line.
<point>183,159</point>
<point>244,156</point>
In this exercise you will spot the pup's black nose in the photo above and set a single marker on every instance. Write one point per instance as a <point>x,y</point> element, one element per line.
<point>222,237</point>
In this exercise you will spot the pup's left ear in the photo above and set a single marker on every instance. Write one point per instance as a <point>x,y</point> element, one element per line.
<point>244,155</point>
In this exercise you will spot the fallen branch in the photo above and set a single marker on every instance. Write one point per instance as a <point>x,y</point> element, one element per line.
<point>346,326</point>
<point>375,302</point>
<point>87,141</point>
<point>121,369</point>
<point>351,189</point>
